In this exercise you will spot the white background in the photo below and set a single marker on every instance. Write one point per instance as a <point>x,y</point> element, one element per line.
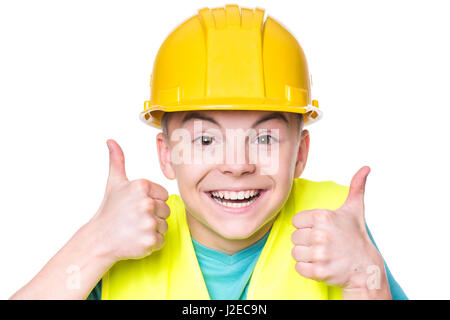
<point>74,73</point>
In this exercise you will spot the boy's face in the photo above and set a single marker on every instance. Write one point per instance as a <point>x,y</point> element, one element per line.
<point>256,156</point>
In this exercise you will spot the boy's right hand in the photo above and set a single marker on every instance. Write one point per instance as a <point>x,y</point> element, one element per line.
<point>130,222</point>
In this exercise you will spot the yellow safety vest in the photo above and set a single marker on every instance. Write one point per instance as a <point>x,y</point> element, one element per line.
<point>174,273</point>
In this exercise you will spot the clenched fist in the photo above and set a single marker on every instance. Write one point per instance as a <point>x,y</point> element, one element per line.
<point>130,222</point>
<point>334,246</point>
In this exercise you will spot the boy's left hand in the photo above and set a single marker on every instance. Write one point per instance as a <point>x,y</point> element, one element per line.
<point>334,247</point>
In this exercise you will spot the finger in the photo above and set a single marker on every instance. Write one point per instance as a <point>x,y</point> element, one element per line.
<point>302,237</point>
<point>116,163</point>
<point>355,195</point>
<point>162,209</point>
<point>158,192</point>
<point>154,207</point>
<point>159,241</point>
<point>151,189</point>
<point>161,226</point>
<point>306,269</point>
<point>302,254</point>
<point>303,219</point>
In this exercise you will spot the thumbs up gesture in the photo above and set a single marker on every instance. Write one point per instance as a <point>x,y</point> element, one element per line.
<point>131,219</point>
<point>334,247</point>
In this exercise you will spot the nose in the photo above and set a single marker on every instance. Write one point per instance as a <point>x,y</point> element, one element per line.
<point>236,169</point>
<point>235,158</point>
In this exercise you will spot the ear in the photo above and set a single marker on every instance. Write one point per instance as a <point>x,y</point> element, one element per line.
<point>165,161</point>
<point>302,154</point>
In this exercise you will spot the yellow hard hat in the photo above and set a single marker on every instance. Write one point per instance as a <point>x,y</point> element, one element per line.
<point>230,59</point>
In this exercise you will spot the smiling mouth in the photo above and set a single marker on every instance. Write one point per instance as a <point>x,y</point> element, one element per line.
<point>235,199</point>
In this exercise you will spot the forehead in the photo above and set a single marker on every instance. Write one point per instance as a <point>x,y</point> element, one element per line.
<point>233,118</point>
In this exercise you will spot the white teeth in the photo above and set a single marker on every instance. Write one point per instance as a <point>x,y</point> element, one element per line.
<point>221,197</point>
<point>234,204</point>
<point>217,194</point>
<point>235,195</point>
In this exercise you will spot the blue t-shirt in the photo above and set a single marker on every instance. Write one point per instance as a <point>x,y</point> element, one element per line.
<point>227,276</point>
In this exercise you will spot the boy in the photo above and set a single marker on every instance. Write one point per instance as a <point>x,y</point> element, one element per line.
<point>231,94</point>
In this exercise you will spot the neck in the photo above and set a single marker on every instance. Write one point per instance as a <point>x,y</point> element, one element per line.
<point>211,239</point>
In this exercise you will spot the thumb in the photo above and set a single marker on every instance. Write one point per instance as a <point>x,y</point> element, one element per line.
<point>116,163</point>
<point>355,196</point>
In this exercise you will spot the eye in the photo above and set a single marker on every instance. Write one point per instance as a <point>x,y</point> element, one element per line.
<point>265,139</point>
<point>204,140</point>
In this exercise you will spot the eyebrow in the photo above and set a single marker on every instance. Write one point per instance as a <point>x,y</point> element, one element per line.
<point>270,116</point>
<point>196,115</point>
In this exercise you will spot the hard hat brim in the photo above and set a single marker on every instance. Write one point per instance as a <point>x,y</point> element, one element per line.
<point>152,116</point>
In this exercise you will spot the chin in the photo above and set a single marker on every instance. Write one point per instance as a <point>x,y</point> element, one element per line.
<point>236,230</point>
